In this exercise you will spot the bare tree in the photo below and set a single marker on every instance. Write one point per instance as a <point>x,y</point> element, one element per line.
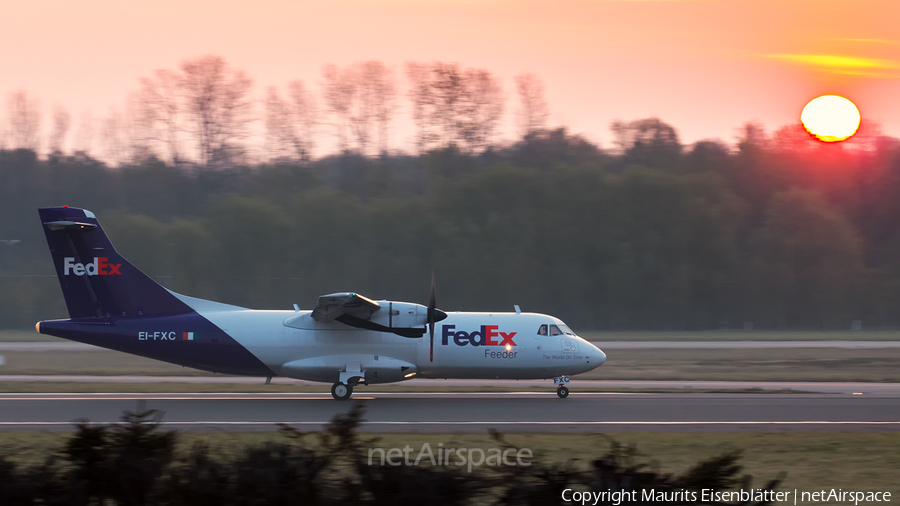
<point>123,135</point>
<point>340,88</point>
<point>362,100</point>
<point>278,126</point>
<point>644,133</point>
<point>484,108</point>
<point>533,111</point>
<point>24,120</point>
<point>752,136</point>
<point>648,142</point>
<point>362,109</point>
<point>61,123</point>
<point>290,123</point>
<point>375,105</point>
<point>305,115</point>
<point>160,109</point>
<point>112,142</point>
<point>218,108</point>
<point>84,136</point>
<point>448,94</point>
<point>419,76</point>
<point>452,106</point>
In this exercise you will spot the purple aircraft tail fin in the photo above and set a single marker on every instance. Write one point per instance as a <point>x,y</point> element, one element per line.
<point>96,281</point>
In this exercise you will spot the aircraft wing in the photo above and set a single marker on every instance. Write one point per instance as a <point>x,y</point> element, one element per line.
<point>332,307</point>
<point>400,318</point>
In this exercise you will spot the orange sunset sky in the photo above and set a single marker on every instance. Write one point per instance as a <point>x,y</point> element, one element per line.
<point>705,66</point>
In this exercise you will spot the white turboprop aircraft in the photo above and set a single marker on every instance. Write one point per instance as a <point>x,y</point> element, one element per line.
<point>346,340</point>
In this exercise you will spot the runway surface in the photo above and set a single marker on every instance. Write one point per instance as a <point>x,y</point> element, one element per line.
<point>890,389</point>
<point>608,345</point>
<point>741,345</point>
<point>466,412</point>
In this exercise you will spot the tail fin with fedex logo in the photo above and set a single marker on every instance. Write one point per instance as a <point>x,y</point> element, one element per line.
<point>96,281</point>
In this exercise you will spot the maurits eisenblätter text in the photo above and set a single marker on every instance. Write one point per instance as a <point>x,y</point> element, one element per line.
<point>708,495</point>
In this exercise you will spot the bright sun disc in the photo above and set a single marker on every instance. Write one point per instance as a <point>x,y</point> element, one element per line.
<point>830,118</point>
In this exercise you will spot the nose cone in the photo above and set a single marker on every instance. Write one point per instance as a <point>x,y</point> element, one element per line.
<point>594,356</point>
<point>601,357</point>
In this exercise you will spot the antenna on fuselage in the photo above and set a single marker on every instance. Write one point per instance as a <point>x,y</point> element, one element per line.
<point>518,309</point>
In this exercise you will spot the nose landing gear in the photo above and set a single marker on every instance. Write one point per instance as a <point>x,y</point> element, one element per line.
<point>561,389</point>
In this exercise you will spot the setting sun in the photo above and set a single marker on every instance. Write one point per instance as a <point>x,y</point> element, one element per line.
<point>830,118</point>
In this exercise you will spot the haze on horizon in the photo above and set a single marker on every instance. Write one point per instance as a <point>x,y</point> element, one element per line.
<point>704,66</point>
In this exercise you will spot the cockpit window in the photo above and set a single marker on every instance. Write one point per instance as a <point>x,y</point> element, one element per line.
<point>542,331</point>
<point>566,330</point>
<point>554,330</point>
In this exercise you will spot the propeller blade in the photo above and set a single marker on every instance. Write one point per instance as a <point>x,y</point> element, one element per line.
<point>432,305</point>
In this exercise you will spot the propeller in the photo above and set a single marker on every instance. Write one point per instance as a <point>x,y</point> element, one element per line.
<point>434,315</point>
<point>432,306</point>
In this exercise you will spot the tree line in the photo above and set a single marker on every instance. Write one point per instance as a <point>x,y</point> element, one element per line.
<point>135,463</point>
<point>777,232</point>
<point>205,113</point>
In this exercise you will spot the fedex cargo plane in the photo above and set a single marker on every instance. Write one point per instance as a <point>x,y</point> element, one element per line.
<point>347,339</point>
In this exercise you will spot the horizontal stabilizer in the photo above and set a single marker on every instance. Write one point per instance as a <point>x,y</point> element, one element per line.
<point>69,225</point>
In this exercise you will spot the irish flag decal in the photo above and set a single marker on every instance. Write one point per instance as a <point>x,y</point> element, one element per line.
<point>190,336</point>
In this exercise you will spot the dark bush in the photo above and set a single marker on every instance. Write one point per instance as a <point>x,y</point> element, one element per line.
<point>134,463</point>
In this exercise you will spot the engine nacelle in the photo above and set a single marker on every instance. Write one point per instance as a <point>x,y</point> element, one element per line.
<point>400,314</point>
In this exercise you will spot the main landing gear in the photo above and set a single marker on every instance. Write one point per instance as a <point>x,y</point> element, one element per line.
<point>349,378</point>
<point>561,389</point>
<point>343,389</point>
<point>341,392</point>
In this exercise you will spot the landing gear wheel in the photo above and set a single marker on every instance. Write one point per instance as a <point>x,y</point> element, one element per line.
<point>562,392</point>
<point>341,391</point>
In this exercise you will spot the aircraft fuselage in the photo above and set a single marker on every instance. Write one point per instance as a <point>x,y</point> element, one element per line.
<point>347,339</point>
<point>240,341</point>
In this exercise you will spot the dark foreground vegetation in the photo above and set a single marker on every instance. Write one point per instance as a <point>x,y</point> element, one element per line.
<point>777,232</point>
<point>134,463</point>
